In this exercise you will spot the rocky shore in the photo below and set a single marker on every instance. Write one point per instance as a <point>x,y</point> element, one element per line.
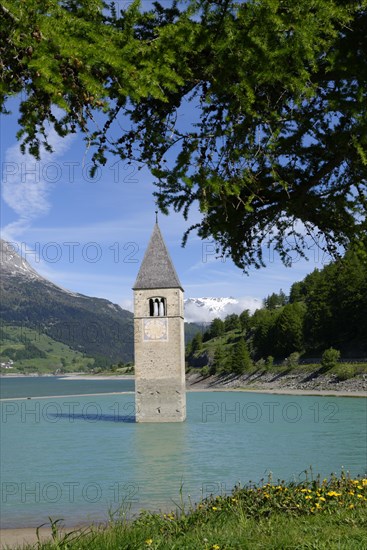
<point>283,382</point>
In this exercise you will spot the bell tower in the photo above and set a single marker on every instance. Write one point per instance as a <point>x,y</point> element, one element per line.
<point>160,391</point>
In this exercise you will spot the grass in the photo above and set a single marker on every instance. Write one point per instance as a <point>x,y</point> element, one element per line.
<point>321,514</point>
<point>58,355</point>
<point>352,369</point>
<point>342,371</point>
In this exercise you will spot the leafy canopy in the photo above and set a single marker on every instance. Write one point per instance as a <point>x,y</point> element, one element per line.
<point>254,111</point>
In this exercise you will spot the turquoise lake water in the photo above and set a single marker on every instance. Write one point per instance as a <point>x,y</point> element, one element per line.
<point>43,386</point>
<point>76,458</point>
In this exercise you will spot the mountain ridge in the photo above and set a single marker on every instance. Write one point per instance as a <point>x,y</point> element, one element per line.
<point>94,326</point>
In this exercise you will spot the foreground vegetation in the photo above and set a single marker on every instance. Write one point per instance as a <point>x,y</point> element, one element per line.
<point>317,514</point>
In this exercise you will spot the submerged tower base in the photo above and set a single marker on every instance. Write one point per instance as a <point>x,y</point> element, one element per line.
<point>160,401</point>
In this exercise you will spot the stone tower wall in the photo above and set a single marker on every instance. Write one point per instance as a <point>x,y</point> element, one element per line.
<point>160,393</point>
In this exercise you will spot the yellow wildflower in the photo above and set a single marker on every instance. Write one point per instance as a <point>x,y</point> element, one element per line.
<point>359,487</point>
<point>149,542</point>
<point>214,508</point>
<point>307,497</point>
<point>351,505</point>
<point>215,547</point>
<point>364,482</point>
<point>322,499</point>
<point>333,494</point>
<point>318,505</point>
<point>350,492</point>
<point>359,496</point>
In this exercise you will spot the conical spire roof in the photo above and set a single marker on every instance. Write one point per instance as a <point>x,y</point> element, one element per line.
<point>157,270</point>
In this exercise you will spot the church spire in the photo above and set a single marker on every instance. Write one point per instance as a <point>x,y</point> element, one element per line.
<point>157,270</point>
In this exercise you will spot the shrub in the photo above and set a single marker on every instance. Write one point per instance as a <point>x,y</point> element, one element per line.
<point>292,360</point>
<point>205,371</point>
<point>212,369</point>
<point>330,358</point>
<point>269,361</point>
<point>344,372</point>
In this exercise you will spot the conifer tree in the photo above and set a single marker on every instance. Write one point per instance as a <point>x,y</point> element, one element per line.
<point>216,328</point>
<point>240,357</point>
<point>279,118</point>
<point>219,360</point>
<point>232,322</point>
<point>197,342</point>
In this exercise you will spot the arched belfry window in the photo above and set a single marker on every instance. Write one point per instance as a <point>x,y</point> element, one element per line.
<point>157,307</point>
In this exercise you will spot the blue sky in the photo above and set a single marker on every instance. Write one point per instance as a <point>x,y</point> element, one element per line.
<point>89,236</point>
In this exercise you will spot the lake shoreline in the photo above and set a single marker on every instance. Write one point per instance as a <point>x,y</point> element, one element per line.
<point>71,376</point>
<point>293,382</point>
<point>18,536</point>
<point>10,538</point>
<point>275,391</point>
<point>283,383</point>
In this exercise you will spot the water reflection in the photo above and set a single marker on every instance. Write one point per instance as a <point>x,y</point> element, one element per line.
<point>88,417</point>
<point>159,465</point>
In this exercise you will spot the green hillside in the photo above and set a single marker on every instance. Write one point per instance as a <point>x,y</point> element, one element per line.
<point>326,311</point>
<point>32,352</point>
<point>93,326</point>
<point>90,325</point>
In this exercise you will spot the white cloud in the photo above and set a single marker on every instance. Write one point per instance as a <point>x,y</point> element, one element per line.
<point>127,304</point>
<point>26,183</point>
<point>204,310</point>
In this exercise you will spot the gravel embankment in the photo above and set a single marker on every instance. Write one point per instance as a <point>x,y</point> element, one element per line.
<point>283,382</point>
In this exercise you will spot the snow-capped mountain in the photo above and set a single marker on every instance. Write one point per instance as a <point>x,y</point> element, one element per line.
<point>94,326</point>
<point>13,264</point>
<point>204,310</point>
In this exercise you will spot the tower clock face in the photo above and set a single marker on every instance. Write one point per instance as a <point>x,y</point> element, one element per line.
<point>155,330</point>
